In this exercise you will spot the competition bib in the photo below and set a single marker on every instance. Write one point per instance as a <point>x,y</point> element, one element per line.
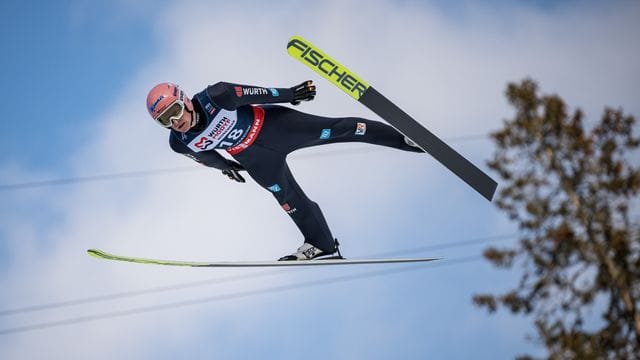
<point>219,134</point>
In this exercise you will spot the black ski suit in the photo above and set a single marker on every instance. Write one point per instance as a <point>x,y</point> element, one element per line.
<point>261,137</point>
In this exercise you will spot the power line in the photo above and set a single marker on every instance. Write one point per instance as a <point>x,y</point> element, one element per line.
<point>91,178</point>
<point>128,294</point>
<point>160,289</point>
<point>154,172</point>
<point>233,296</point>
<point>442,246</point>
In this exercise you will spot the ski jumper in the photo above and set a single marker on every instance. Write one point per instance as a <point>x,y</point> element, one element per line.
<point>261,137</point>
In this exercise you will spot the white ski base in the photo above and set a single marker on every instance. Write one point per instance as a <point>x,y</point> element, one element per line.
<point>104,255</point>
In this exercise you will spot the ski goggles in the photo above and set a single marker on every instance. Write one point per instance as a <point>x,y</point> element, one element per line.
<point>173,111</point>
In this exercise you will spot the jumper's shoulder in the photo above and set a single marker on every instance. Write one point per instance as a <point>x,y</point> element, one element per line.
<point>218,89</point>
<point>223,95</point>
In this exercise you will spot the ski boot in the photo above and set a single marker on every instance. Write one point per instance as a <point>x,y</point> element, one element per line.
<point>310,252</point>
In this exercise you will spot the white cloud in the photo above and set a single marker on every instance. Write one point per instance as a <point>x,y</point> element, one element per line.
<point>450,75</point>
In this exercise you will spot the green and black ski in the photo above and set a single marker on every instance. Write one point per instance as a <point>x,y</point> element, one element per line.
<point>360,90</point>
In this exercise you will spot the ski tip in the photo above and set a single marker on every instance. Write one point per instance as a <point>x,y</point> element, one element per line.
<point>292,40</point>
<point>325,66</point>
<point>295,38</point>
<point>96,253</point>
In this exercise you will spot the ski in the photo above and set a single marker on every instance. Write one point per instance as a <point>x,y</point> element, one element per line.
<point>360,90</point>
<point>104,255</point>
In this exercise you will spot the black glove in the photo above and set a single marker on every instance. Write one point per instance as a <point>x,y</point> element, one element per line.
<point>303,92</point>
<point>233,172</point>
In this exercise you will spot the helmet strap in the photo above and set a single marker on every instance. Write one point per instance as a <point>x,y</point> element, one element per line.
<point>195,117</point>
<point>194,114</point>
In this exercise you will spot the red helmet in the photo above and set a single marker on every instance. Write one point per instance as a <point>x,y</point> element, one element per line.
<point>161,97</point>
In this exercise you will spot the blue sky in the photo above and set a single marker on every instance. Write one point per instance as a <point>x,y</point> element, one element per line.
<point>61,62</point>
<point>79,72</point>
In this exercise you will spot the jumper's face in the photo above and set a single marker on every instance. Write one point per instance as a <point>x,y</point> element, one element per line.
<point>176,116</point>
<point>183,123</point>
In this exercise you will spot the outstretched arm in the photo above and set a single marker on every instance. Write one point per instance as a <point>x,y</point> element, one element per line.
<point>231,96</point>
